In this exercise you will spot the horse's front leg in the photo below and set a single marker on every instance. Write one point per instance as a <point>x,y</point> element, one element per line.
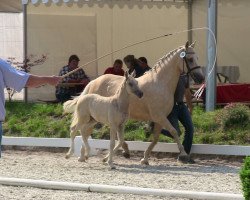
<point>157,129</point>
<point>156,134</point>
<point>167,125</point>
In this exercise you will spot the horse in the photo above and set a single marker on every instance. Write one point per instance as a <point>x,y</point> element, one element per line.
<point>93,108</point>
<point>158,86</point>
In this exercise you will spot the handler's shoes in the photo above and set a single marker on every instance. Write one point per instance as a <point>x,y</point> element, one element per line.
<point>185,160</point>
<point>191,161</point>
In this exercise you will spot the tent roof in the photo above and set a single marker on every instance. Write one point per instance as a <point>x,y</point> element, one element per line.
<point>66,1</point>
<point>16,5</point>
<point>11,6</point>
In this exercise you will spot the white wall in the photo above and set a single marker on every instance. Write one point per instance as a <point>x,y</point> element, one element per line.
<point>232,34</point>
<point>11,35</point>
<point>11,39</point>
<point>118,23</point>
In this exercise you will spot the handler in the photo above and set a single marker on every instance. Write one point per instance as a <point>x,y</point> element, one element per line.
<point>182,113</point>
<point>10,77</point>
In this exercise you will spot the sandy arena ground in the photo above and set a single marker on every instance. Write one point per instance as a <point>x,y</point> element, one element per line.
<point>207,175</point>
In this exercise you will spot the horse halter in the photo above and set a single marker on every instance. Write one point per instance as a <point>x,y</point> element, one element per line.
<point>183,55</point>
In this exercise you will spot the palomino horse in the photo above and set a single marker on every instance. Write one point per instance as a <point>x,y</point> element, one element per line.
<point>158,86</point>
<point>93,108</point>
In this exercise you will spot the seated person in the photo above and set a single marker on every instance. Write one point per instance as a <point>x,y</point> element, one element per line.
<point>144,64</point>
<point>116,69</point>
<point>64,93</point>
<point>133,64</point>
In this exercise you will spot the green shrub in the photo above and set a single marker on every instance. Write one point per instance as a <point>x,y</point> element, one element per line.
<point>204,121</point>
<point>47,120</point>
<point>245,178</point>
<point>234,115</point>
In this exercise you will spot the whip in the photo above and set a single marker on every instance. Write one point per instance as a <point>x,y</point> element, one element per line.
<point>197,94</point>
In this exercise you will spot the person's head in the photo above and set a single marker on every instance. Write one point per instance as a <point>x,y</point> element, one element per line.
<point>117,65</point>
<point>129,61</point>
<point>73,61</point>
<point>143,61</point>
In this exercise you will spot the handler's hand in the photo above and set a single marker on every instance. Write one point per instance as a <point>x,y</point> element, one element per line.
<point>55,80</point>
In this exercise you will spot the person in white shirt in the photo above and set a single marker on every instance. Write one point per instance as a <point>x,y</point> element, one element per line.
<point>12,78</point>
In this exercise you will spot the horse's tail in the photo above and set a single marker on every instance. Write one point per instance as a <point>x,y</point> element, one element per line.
<point>74,122</point>
<point>69,106</point>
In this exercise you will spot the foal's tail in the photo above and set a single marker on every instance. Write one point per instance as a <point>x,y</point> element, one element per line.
<point>69,106</point>
<point>75,121</point>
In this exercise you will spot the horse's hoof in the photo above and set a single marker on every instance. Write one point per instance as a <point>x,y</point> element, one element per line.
<point>81,159</point>
<point>104,160</point>
<point>67,156</point>
<point>111,167</point>
<point>125,154</point>
<point>144,162</point>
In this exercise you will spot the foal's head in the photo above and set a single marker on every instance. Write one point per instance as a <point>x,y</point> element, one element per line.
<point>131,85</point>
<point>191,62</point>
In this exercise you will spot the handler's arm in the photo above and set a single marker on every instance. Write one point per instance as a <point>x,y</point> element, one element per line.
<point>35,81</point>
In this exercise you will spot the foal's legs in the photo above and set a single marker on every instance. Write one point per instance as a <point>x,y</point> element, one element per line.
<point>113,132</point>
<point>73,132</point>
<point>86,131</point>
<point>120,135</point>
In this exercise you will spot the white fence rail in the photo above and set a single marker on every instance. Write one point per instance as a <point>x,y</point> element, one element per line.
<point>133,145</point>
<point>118,189</point>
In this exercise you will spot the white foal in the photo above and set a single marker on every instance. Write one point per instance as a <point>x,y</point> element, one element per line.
<point>93,108</point>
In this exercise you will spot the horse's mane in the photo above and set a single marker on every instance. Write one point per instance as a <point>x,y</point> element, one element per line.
<point>166,58</point>
<point>122,85</point>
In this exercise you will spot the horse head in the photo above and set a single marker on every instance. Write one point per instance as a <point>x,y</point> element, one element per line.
<point>132,84</point>
<point>190,60</point>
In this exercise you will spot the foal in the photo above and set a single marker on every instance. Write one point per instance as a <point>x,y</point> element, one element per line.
<point>93,108</point>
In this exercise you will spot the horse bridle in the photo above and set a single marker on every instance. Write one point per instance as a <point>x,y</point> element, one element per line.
<point>189,69</point>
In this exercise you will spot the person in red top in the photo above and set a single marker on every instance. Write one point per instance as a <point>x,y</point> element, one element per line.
<point>116,69</point>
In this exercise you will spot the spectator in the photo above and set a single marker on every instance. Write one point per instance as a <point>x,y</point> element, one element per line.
<point>116,69</point>
<point>65,92</point>
<point>133,64</point>
<point>144,64</point>
<point>10,77</point>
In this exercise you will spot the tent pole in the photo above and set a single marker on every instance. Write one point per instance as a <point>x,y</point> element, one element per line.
<point>190,21</point>
<point>25,45</point>
<point>211,70</point>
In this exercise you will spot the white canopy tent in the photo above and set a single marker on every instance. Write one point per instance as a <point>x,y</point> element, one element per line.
<point>25,2</point>
<point>233,15</point>
<point>99,28</point>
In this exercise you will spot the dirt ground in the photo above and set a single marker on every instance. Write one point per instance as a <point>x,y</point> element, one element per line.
<point>208,174</point>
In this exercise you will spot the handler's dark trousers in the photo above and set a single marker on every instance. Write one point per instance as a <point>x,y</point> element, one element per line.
<point>181,113</point>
